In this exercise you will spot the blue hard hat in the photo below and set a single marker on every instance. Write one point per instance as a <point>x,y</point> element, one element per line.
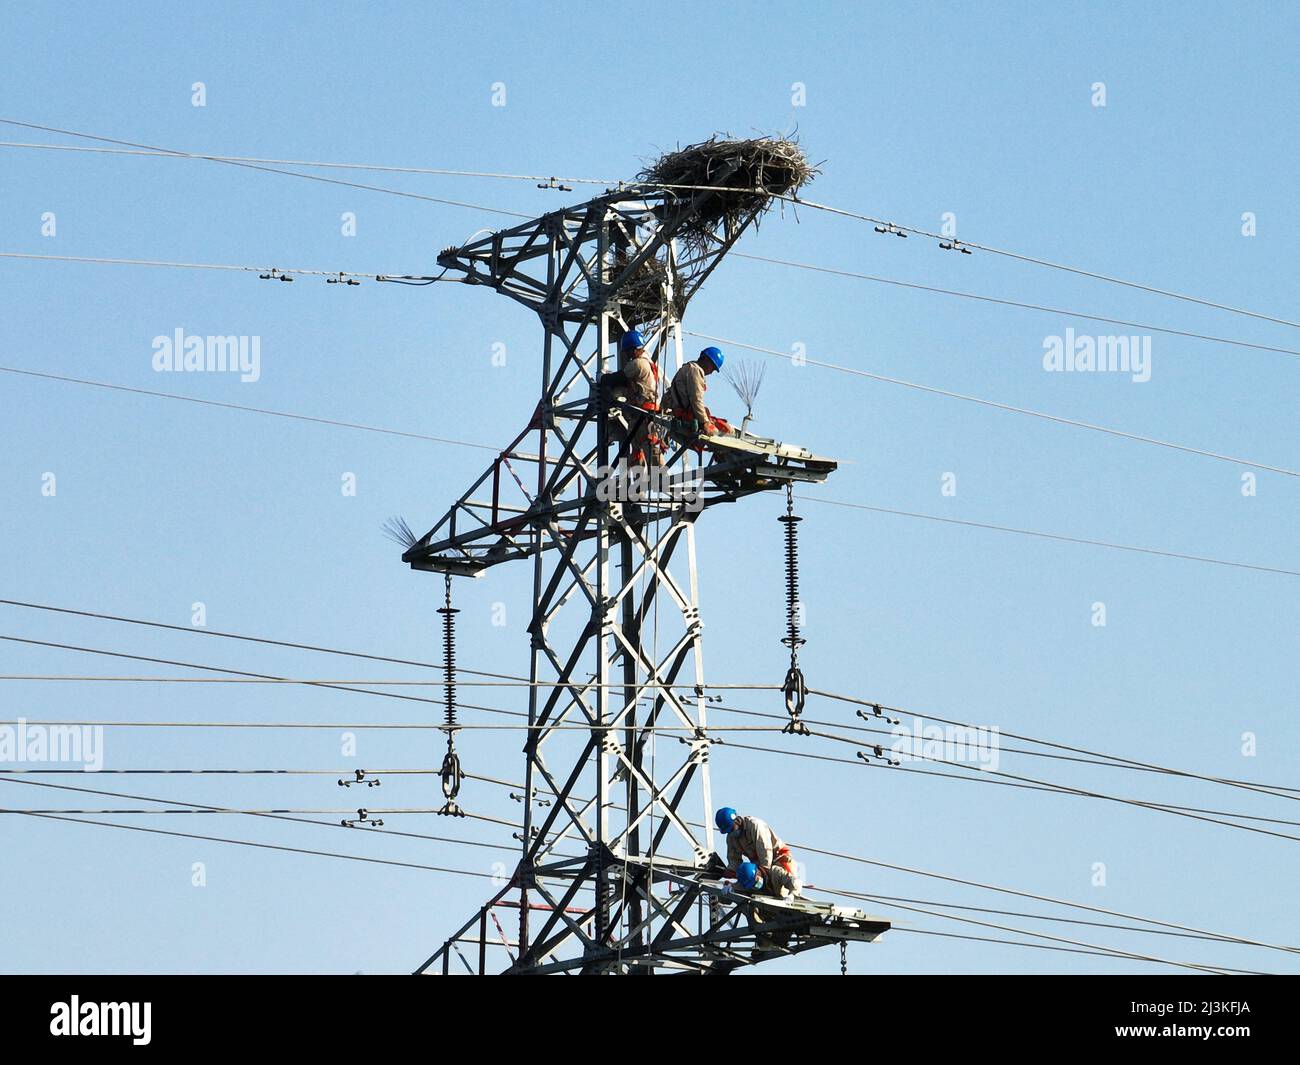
<point>747,876</point>
<point>714,355</point>
<point>631,339</point>
<point>725,819</point>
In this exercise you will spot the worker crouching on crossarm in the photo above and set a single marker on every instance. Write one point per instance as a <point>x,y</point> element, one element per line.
<point>757,859</point>
<point>684,399</point>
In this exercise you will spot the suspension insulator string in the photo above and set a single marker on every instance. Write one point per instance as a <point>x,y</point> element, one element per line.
<point>796,691</point>
<point>450,772</point>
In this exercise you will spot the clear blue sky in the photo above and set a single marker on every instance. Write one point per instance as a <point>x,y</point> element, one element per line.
<point>917,110</point>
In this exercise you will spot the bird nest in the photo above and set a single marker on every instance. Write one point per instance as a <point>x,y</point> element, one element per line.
<point>747,175</point>
<point>642,294</point>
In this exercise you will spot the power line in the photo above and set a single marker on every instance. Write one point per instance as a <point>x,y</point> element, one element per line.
<point>265,846</point>
<point>984,776</point>
<point>858,859</point>
<point>854,858</point>
<point>250,410</point>
<point>1074,423</point>
<point>274,815</point>
<point>1014,782</point>
<point>297,271</point>
<point>254,162</point>
<point>1056,536</point>
<point>1177,811</point>
<point>1045,786</point>
<point>581,685</point>
<point>1236,460</point>
<point>249,639</point>
<point>185,771</point>
<point>210,669</point>
<point>161,810</point>
<point>1199,933</point>
<point>998,940</point>
<point>902,513</point>
<point>1024,783</point>
<point>270,170</point>
<point>1031,781</point>
<point>1132,956</point>
<point>349,725</point>
<point>425,170</point>
<point>1004,302</point>
<point>488,876</point>
<point>871,897</point>
<point>1053,265</point>
<point>428,280</point>
<point>1249,785</point>
<point>68,816</point>
<point>1096,757</point>
<point>459,727</point>
<point>243,676</point>
<point>1020,783</point>
<point>1105,760</point>
<point>440,869</point>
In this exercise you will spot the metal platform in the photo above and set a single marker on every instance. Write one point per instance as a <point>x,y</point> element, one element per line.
<point>745,463</point>
<point>483,532</point>
<point>735,929</point>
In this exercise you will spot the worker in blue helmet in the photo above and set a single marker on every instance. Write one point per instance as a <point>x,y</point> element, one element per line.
<point>684,398</point>
<point>749,877</point>
<point>757,859</point>
<point>638,387</point>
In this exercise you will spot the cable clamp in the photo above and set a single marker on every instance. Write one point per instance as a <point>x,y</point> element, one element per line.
<point>877,752</point>
<point>363,818</point>
<point>878,714</point>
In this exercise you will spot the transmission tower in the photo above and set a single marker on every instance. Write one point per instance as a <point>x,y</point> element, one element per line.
<point>617,830</point>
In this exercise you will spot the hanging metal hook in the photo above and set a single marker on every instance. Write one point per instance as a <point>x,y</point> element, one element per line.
<point>452,775</point>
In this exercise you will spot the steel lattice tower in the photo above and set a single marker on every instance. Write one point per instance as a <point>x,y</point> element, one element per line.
<point>617,822</point>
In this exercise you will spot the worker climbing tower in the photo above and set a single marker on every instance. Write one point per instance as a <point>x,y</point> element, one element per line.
<point>614,873</point>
